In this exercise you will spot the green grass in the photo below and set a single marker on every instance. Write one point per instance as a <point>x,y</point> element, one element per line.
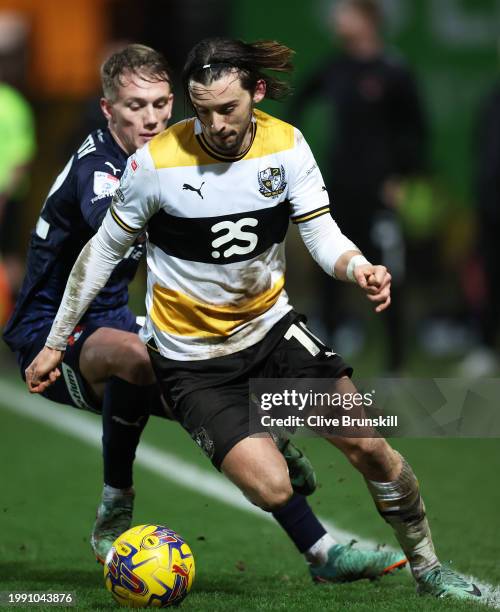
<point>51,483</point>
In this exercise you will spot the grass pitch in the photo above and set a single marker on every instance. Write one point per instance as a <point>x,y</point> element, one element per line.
<point>51,483</point>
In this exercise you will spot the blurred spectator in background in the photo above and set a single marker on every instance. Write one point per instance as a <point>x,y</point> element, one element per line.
<point>483,360</point>
<point>379,140</point>
<point>17,148</point>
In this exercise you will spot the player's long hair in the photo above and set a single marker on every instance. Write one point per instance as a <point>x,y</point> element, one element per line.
<point>212,58</point>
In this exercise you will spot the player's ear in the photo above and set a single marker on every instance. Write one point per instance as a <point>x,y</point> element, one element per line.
<point>106,108</point>
<point>260,91</point>
<point>170,103</point>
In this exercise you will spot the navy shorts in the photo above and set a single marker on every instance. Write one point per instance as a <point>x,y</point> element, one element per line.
<point>209,397</point>
<point>71,388</point>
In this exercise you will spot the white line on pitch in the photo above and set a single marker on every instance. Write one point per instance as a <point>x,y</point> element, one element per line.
<point>183,473</point>
<point>166,465</point>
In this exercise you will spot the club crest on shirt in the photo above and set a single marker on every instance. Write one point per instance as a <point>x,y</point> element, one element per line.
<point>272,182</point>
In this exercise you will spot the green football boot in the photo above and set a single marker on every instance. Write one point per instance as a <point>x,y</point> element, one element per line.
<point>301,471</point>
<point>114,516</point>
<point>445,583</point>
<point>346,564</point>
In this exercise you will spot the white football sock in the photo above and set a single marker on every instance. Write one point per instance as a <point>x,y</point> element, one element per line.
<point>318,553</point>
<point>400,504</point>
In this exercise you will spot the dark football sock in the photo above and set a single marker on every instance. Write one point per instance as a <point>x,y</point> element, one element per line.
<point>124,416</point>
<point>300,523</point>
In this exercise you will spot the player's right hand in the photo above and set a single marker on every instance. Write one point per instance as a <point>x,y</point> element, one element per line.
<point>43,371</point>
<point>376,283</point>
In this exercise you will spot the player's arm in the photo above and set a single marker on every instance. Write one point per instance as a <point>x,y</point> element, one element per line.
<point>124,221</point>
<point>95,187</point>
<point>331,249</point>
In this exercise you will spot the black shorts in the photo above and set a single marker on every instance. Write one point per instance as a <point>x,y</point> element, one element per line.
<point>209,397</point>
<point>71,388</point>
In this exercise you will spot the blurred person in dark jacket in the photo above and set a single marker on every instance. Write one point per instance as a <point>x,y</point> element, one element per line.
<point>379,141</point>
<point>483,359</point>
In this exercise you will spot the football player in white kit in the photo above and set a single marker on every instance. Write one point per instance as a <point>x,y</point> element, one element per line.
<point>216,193</point>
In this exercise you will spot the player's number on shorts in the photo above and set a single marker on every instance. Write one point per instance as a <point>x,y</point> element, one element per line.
<point>295,332</point>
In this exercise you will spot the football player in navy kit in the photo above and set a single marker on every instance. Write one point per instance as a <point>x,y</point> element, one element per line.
<point>106,367</point>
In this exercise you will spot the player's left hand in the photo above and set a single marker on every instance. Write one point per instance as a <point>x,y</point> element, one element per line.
<point>43,371</point>
<point>376,282</point>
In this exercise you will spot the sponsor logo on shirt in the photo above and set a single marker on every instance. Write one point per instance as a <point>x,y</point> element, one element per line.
<point>105,184</point>
<point>234,232</point>
<point>99,197</point>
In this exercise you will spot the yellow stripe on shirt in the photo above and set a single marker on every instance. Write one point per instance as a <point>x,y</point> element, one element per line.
<point>179,147</point>
<point>121,223</point>
<point>181,315</point>
<point>311,215</point>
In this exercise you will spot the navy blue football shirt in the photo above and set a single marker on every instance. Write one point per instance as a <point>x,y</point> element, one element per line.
<point>72,213</point>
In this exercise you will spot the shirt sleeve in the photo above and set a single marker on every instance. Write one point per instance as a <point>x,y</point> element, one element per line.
<point>307,192</point>
<point>325,241</point>
<point>310,207</point>
<point>96,186</point>
<point>138,197</point>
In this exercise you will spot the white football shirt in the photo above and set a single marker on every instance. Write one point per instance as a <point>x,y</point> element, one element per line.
<point>216,230</point>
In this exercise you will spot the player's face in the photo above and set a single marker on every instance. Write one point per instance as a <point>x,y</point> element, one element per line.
<point>140,111</point>
<point>225,111</point>
<point>351,25</point>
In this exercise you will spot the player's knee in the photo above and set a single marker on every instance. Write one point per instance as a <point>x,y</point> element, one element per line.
<point>272,493</point>
<point>364,451</point>
<point>137,365</point>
